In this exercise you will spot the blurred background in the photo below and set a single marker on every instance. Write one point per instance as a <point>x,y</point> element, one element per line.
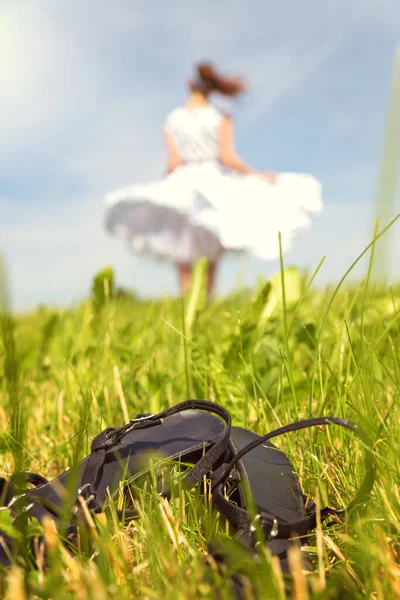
<point>85,87</point>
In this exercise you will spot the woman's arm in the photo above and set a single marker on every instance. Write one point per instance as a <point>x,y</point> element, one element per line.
<point>174,158</point>
<point>228,156</point>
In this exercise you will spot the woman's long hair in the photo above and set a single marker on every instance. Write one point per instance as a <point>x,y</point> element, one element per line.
<point>209,80</point>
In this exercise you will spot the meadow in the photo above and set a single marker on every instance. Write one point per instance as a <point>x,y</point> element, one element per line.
<point>284,351</point>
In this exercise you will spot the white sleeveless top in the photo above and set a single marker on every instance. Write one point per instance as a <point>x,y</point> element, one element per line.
<point>195,132</point>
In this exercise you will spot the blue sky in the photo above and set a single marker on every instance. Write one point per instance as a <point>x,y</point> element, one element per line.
<point>85,86</point>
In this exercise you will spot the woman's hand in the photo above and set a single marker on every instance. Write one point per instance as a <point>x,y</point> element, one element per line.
<point>270,176</point>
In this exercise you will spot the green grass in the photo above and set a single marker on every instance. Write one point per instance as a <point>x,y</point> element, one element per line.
<point>270,358</point>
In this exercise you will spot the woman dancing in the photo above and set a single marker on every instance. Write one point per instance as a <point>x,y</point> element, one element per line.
<point>210,201</point>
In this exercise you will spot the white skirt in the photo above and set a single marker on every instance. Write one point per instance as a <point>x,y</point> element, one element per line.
<point>202,209</point>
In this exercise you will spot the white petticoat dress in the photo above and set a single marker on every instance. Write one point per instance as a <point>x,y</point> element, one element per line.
<point>204,209</point>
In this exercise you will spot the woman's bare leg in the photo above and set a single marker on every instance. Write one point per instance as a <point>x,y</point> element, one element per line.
<point>185,275</point>
<point>212,269</point>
